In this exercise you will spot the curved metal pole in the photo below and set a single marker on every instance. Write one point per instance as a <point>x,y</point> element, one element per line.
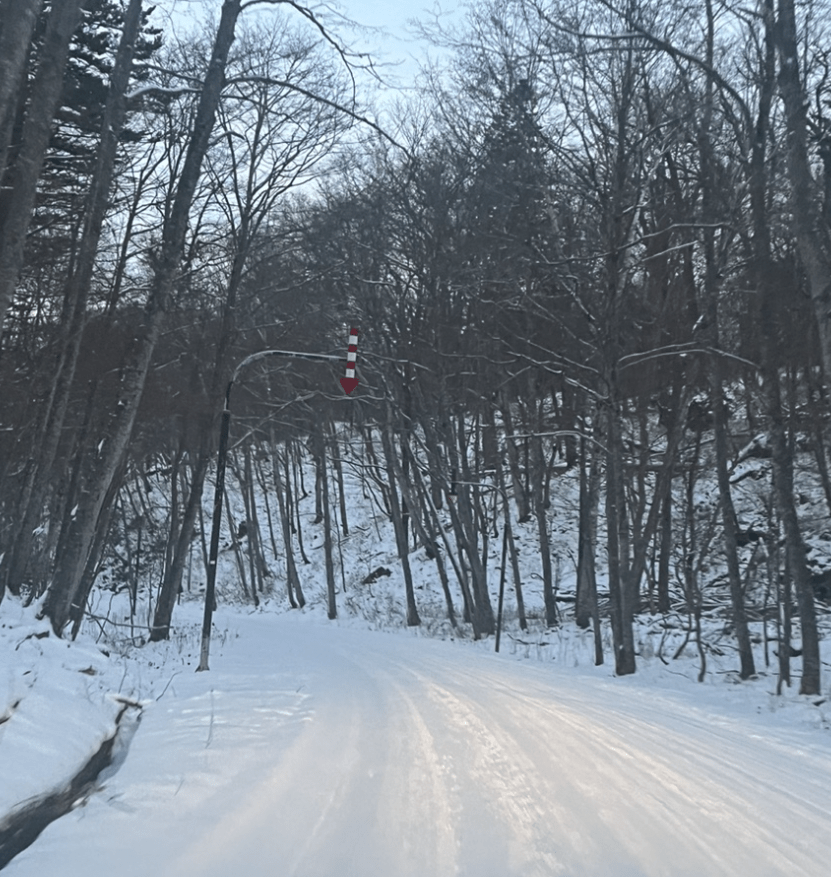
<point>222,453</point>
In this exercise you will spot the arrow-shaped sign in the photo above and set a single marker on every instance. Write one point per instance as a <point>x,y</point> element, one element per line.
<point>350,381</point>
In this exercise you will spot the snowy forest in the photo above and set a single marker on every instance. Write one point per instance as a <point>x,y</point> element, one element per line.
<point>578,276</point>
<point>588,256</point>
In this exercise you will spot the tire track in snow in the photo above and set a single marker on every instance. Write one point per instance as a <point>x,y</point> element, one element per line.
<point>494,768</point>
<point>389,812</point>
<point>706,765</point>
<point>536,828</point>
<point>360,793</point>
<point>703,794</point>
<point>504,814</point>
<point>417,798</point>
<point>666,821</point>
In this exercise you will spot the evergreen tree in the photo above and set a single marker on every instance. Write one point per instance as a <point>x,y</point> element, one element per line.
<point>70,157</point>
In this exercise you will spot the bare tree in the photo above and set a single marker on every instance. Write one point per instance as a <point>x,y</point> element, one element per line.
<point>270,138</point>
<point>64,597</point>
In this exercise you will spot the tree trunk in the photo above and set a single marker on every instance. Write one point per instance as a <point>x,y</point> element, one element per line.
<point>292,579</point>
<point>623,638</point>
<point>551,615</point>
<point>783,594</point>
<point>586,598</point>
<point>171,583</point>
<point>400,526</point>
<point>664,555</point>
<point>728,519</point>
<point>431,522</point>
<point>782,463</point>
<point>17,24</point>
<point>690,548</point>
<point>235,544</point>
<point>469,615</point>
<point>716,376</point>
<point>251,536</point>
<point>509,535</point>
<point>17,207</point>
<point>812,235</point>
<point>320,448</point>
<point>520,494</point>
<point>293,496</point>
<point>255,542</point>
<point>781,456</point>
<point>338,465</point>
<point>645,533</point>
<point>463,520</point>
<point>91,566</point>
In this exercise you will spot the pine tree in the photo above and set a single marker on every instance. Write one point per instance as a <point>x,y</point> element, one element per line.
<point>70,156</point>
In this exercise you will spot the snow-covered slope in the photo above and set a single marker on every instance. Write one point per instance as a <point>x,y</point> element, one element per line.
<point>315,749</point>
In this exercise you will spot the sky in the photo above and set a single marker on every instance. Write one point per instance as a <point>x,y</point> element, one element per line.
<point>395,42</point>
<point>384,31</point>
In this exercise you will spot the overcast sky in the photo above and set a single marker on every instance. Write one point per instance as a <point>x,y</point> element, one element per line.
<point>395,43</point>
<point>391,44</point>
<point>393,18</point>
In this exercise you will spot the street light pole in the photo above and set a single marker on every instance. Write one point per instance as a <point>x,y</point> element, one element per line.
<point>222,453</point>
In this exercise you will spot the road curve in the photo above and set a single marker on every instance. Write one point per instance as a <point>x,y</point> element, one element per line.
<point>388,755</point>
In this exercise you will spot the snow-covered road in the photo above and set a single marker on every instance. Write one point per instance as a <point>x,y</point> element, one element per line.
<point>312,750</point>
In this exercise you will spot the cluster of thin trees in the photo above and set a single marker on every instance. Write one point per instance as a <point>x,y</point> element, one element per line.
<point>128,219</point>
<point>597,240</point>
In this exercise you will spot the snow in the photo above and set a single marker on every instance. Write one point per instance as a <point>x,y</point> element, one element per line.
<point>319,748</point>
<point>361,747</point>
<point>156,90</point>
<point>56,712</point>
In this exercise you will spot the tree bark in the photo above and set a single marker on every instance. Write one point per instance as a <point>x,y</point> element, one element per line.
<point>520,494</point>
<point>254,540</point>
<point>690,549</point>
<point>586,598</point>
<point>716,376</point>
<point>320,448</point>
<point>623,639</point>
<point>551,615</point>
<point>664,555</point>
<point>250,534</point>
<point>469,615</point>
<point>463,521</point>
<point>509,535</point>
<point>431,523</point>
<point>336,460</point>
<point>171,583</point>
<point>293,585</point>
<point>17,25</point>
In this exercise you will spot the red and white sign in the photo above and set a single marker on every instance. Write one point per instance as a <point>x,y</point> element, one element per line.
<point>350,381</point>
